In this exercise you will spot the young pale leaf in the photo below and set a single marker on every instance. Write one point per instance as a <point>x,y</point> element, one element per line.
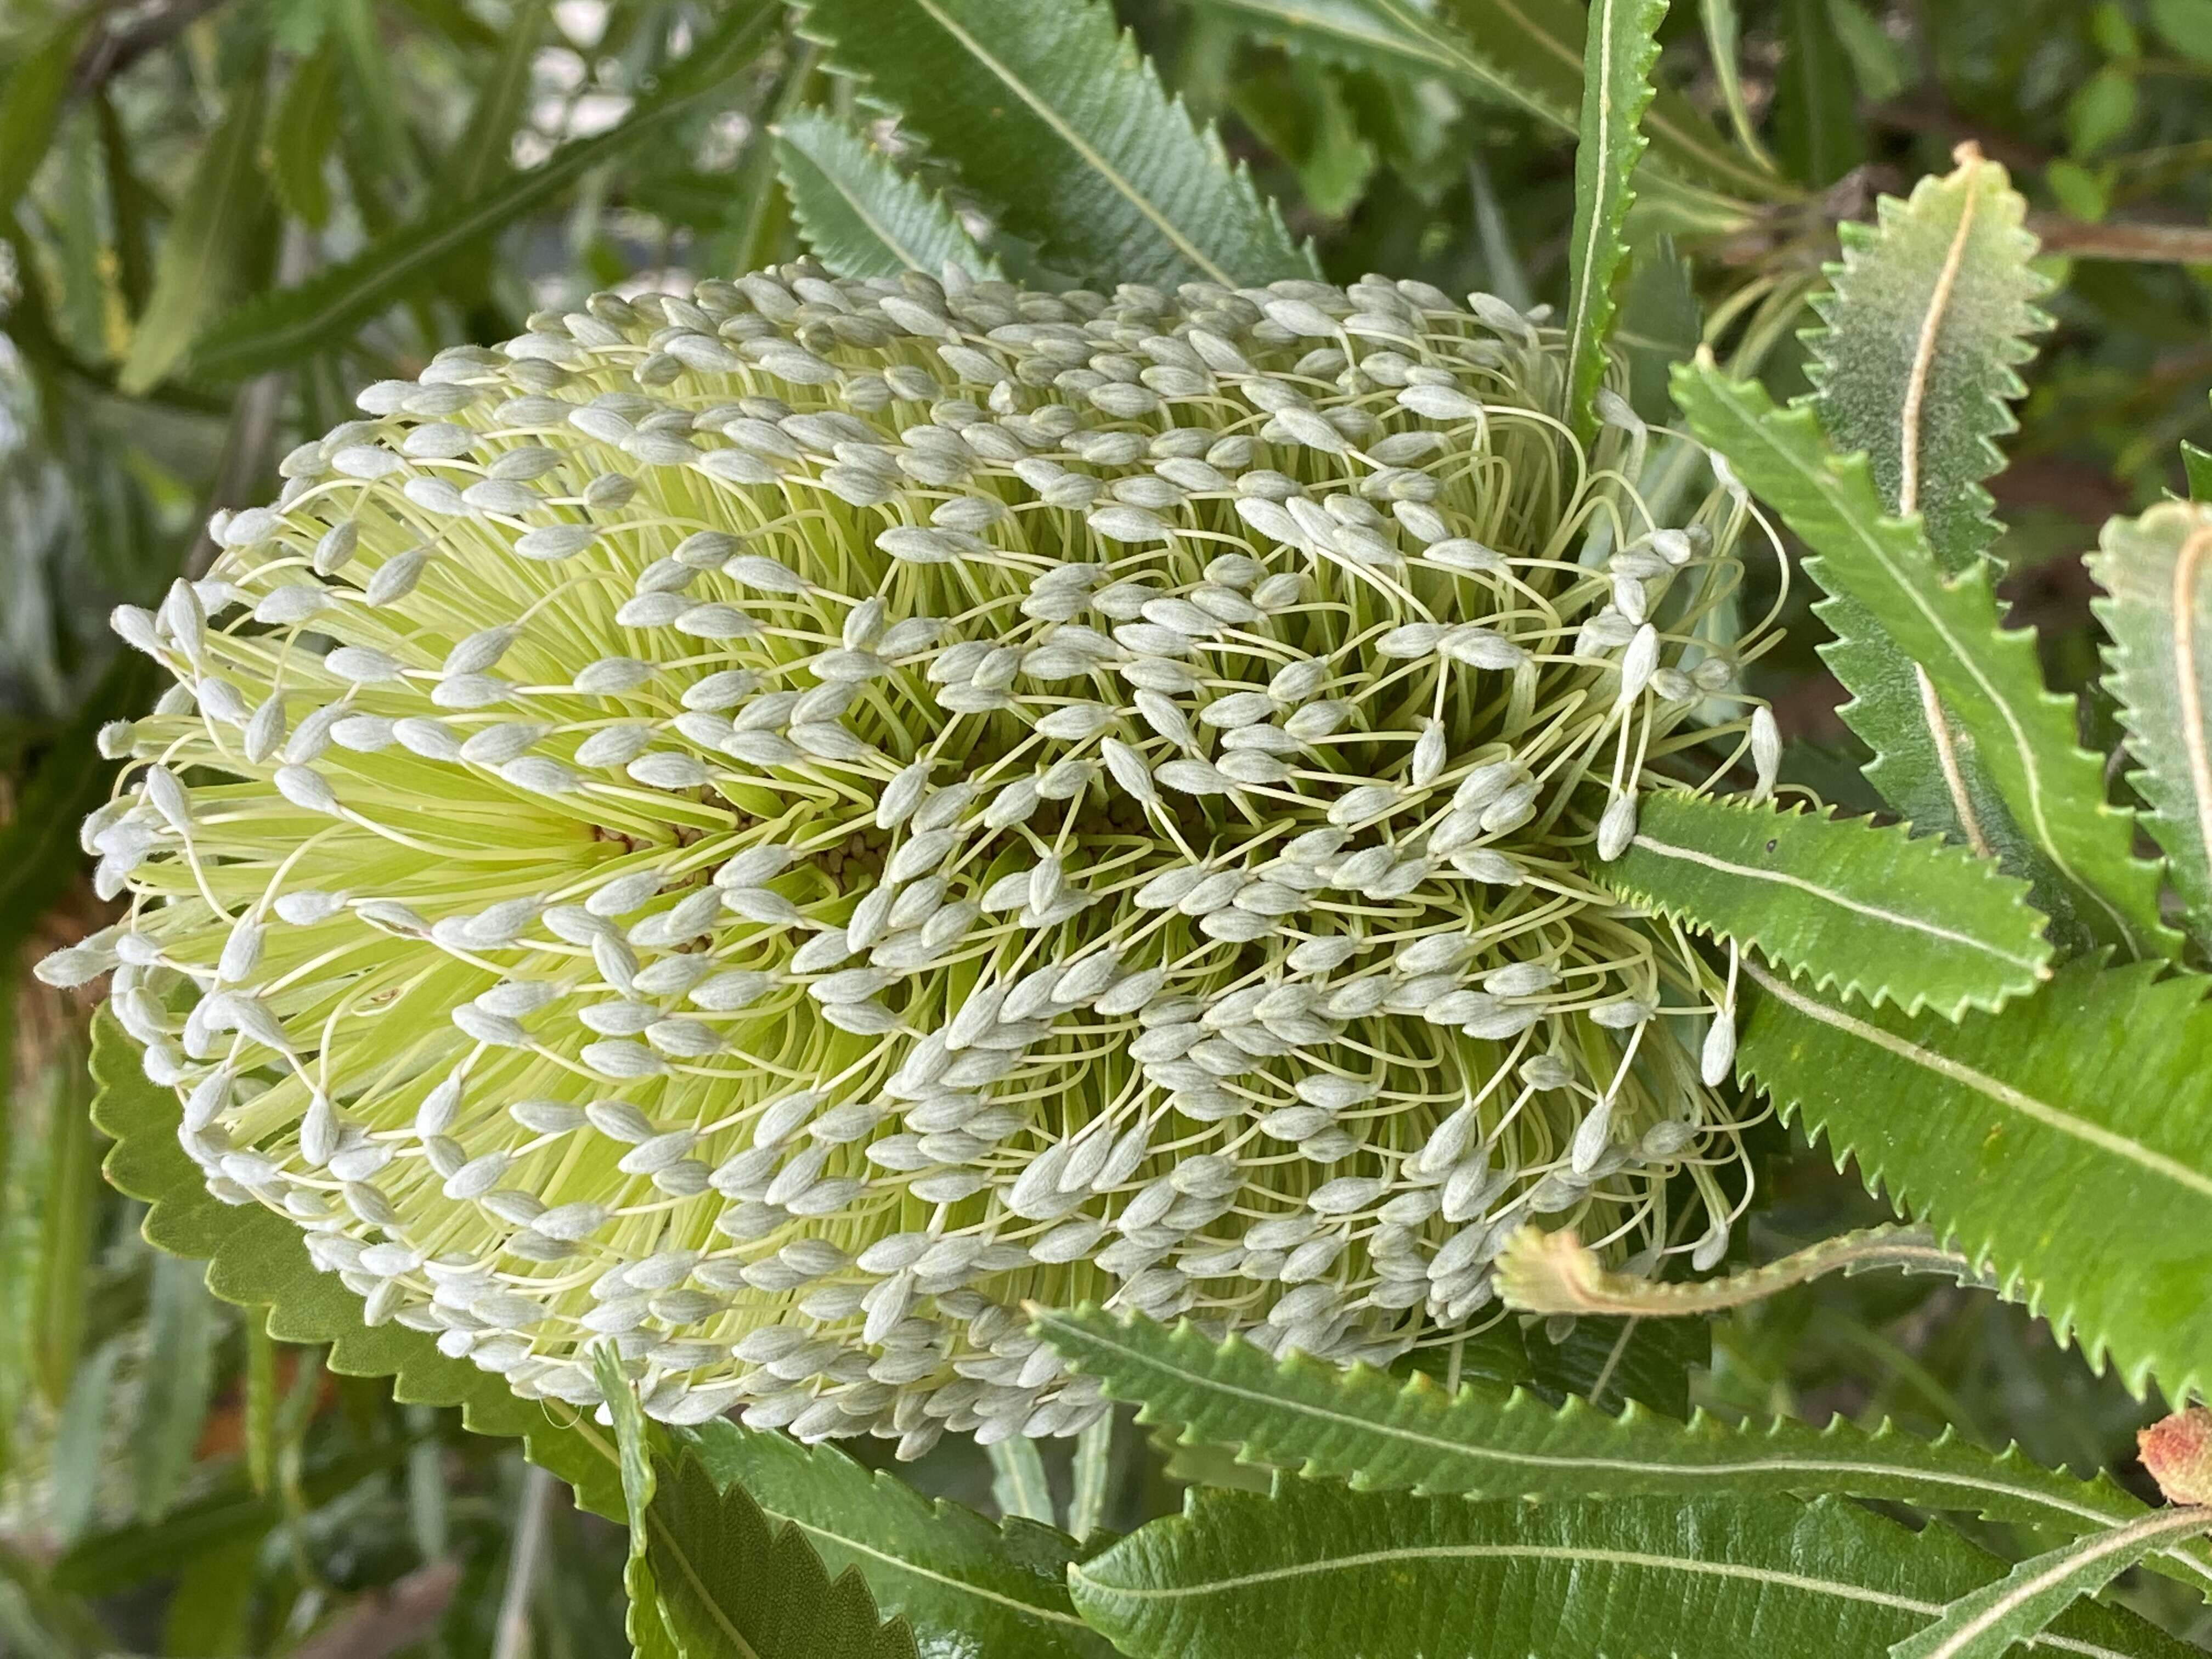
<point>861,215</point>
<point>1985,677</point>
<point>1929,315</point>
<point>1486,1441</point>
<point>1018,1486</point>
<point>1093,1478</point>
<point>1315,1569</point>
<point>1622,45</point>
<point>226,191</point>
<point>1986,1624</point>
<point>2066,1141</point>
<point>1051,112</point>
<point>256,1260</point>
<point>2156,572</point>
<point>279,327</point>
<point>1839,901</point>
<point>645,1622</point>
<point>965,1586</point>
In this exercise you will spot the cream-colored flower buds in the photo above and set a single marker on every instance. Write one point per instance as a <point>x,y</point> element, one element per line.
<point>772,826</point>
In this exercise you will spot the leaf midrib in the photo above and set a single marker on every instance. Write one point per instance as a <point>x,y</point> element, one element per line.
<point>1995,1089</point>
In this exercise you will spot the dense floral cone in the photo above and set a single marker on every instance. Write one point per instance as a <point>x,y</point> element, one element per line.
<point>772,827</point>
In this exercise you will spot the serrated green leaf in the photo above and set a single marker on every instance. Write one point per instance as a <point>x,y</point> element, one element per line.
<point>256,1260</point>
<point>970,1589</point>
<point>860,215</point>
<point>1926,321</point>
<point>2067,1141</point>
<point>1986,1624</point>
<point>1367,1427</point>
<point>1051,112</point>
<point>1986,679</point>
<point>1867,909</point>
<point>31,103</point>
<point>300,134</point>
<point>226,191</point>
<point>707,1577</point>
<point>279,327</point>
<point>1315,1569</point>
<point>2156,572</point>
<point>1622,46</point>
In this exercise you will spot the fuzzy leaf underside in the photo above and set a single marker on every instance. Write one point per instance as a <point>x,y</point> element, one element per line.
<point>1622,48</point>
<point>1051,112</point>
<point>1929,316</point>
<point>1369,1428</point>
<point>256,1260</point>
<point>2067,1141</point>
<point>861,215</point>
<point>2156,572</point>
<point>1317,1569</point>
<point>1987,679</point>
<point>1840,903</point>
<point>1930,311</point>
<point>969,1589</point>
<point>1987,1623</point>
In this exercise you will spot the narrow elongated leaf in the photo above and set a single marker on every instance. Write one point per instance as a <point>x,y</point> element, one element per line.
<point>279,327</point>
<point>67,1215</point>
<point>256,1260</point>
<point>1093,1477</point>
<point>2067,1141</point>
<point>1051,112</point>
<point>1723,38</point>
<point>1318,1570</point>
<point>180,1335</point>
<point>1367,1427</point>
<point>479,155</point>
<point>1018,1486</point>
<point>300,134</point>
<point>1987,1623</point>
<point>31,103</point>
<point>1617,60</point>
<point>1540,44</point>
<point>967,1587</point>
<point>1987,679</point>
<point>1840,903</point>
<point>79,1458</point>
<point>190,272</point>
<point>2156,572</point>
<point>645,1622</point>
<point>1926,321</point>
<point>861,215</point>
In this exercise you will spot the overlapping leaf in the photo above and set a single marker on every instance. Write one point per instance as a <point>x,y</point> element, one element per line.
<point>2067,1141</point>
<point>1052,113</point>
<point>1484,1441</point>
<point>1317,1569</point>
<point>2156,572</point>
<point>968,1587</point>
<point>255,1260</point>
<point>1987,1623</point>
<point>1869,910</point>
<point>862,216</point>
<point>1986,678</point>
<point>1623,45</point>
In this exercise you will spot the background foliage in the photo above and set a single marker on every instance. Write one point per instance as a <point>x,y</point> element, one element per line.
<point>220,216</point>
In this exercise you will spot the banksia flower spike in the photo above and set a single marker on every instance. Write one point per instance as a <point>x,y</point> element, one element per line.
<point>773,826</point>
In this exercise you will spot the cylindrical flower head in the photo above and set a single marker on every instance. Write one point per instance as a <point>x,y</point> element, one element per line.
<point>772,827</point>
